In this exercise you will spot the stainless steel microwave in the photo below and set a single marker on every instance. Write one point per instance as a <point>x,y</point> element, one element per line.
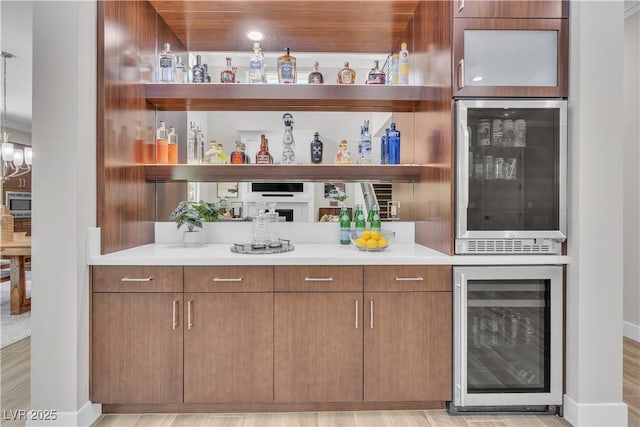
<point>19,203</point>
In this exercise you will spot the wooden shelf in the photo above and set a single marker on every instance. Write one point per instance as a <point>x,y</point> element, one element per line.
<point>279,97</point>
<point>257,173</point>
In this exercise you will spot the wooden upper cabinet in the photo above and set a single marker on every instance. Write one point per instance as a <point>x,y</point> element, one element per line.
<point>510,58</point>
<point>510,9</point>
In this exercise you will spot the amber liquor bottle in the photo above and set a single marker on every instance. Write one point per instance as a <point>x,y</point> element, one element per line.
<point>346,76</point>
<point>239,157</point>
<point>227,75</point>
<point>376,75</point>
<point>287,72</point>
<point>263,157</point>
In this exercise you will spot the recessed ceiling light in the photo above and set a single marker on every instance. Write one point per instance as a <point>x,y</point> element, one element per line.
<point>255,36</point>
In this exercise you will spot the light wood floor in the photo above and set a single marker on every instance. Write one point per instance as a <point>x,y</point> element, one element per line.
<point>15,374</point>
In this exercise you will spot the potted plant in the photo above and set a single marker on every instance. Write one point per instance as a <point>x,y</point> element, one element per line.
<point>192,215</point>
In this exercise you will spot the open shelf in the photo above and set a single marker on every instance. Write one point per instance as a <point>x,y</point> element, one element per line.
<point>256,173</point>
<point>278,97</point>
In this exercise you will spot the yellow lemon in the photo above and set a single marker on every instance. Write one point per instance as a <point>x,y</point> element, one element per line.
<point>375,235</point>
<point>361,242</point>
<point>366,235</point>
<point>372,244</point>
<point>382,242</point>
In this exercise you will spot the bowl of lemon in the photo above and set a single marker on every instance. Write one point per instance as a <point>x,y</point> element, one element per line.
<point>372,240</point>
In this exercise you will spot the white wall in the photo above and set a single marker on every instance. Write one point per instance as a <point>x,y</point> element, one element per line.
<point>631,73</point>
<point>594,289</point>
<point>64,197</point>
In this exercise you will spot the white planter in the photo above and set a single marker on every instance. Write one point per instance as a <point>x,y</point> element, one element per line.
<point>192,238</point>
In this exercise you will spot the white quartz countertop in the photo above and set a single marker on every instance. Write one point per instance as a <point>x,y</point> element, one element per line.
<point>168,251</point>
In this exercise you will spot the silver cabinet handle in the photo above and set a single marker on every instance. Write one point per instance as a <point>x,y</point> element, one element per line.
<point>175,312</point>
<point>189,322</point>
<point>371,314</point>
<point>409,279</point>
<point>460,6</point>
<point>356,314</point>
<point>224,279</point>
<point>137,279</point>
<point>318,279</point>
<point>461,73</point>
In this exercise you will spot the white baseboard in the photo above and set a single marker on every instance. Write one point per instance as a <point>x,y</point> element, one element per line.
<point>595,414</point>
<point>631,331</point>
<point>84,417</point>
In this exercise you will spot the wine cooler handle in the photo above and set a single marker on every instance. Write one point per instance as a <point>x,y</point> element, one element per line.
<point>371,314</point>
<point>189,322</point>
<point>175,312</point>
<point>356,314</point>
<point>465,169</point>
<point>461,73</point>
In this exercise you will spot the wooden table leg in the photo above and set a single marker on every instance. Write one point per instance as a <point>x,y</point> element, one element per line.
<point>19,301</point>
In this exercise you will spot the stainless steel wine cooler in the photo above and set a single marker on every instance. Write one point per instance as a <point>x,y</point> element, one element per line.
<point>507,339</point>
<point>511,173</point>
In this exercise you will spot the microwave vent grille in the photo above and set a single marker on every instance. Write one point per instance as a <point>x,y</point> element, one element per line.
<point>513,246</point>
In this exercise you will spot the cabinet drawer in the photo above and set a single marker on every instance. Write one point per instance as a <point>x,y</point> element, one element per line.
<point>228,279</point>
<point>318,278</point>
<point>137,279</point>
<point>407,278</point>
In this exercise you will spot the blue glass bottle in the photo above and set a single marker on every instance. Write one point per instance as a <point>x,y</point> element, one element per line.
<point>393,138</point>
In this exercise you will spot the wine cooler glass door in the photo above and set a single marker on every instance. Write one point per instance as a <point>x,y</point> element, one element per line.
<point>510,333</point>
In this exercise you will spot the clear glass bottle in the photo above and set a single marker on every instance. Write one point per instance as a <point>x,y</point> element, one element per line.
<point>384,149</point>
<point>316,148</point>
<point>376,75</point>
<point>315,76</point>
<point>227,75</point>
<point>287,71</point>
<point>200,145</point>
<point>191,144</point>
<point>198,71</point>
<point>257,65</point>
<point>346,76</point>
<point>214,155</point>
<point>181,72</point>
<point>238,157</point>
<point>393,137</point>
<point>263,157</point>
<point>207,76</point>
<point>343,156</point>
<point>167,65</point>
<point>288,143</point>
<point>365,145</point>
<point>172,147</point>
<point>162,142</point>
<point>393,78</point>
<point>345,226</point>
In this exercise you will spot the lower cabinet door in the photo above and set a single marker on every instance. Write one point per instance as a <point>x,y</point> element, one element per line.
<point>318,347</point>
<point>407,346</point>
<point>228,347</point>
<point>136,354</point>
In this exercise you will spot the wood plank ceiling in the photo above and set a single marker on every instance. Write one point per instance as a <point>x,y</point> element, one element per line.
<point>304,26</point>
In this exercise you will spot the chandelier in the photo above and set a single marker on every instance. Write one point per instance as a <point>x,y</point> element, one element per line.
<point>15,162</point>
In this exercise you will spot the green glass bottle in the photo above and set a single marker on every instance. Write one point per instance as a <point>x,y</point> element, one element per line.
<point>375,218</point>
<point>359,220</point>
<point>345,226</point>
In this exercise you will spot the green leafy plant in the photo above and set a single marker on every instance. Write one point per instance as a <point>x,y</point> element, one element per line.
<point>193,214</point>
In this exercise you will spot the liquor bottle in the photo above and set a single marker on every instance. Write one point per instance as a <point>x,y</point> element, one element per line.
<point>200,145</point>
<point>191,144</point>
<point>287,72</point>
<point>316,148</point>
<point>263,157</point>
<point>167,65</point>
<point>207,76</point>
<point>150,146</point>
<point>257,65</point>
<point>345,226</point>
<point>346,76</point>
<point>365,145</point>
<point>384,148</point>
<point>394,145</point>
<point>288,143</point>
<point>315,76</point>
<point>375,218</point>
<point>172,147</point>
<point>238,157</point>
<point>198,71</point>
<point>181,72</point>
<point>227,76</point>
<point>214,155</point>
<point>395,59</point>
<point>403,65</point>
<point>138,144</point>
<point>162,140</point>
<point>343,156</point>
<point>359,220</point>
<point>376,75</point>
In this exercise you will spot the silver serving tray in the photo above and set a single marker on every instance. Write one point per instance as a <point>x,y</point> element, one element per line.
<point>251,249</point>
